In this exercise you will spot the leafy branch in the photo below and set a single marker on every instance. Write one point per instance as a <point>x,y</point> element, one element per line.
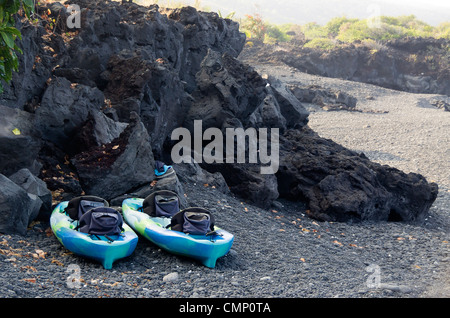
<point>8,34</point>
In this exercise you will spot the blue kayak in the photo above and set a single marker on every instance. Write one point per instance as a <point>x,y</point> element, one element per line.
<point>204,248</point>
<point>104,249</point>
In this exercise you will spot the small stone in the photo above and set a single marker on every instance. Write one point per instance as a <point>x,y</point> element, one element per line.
<point>172,277</point>
<point>397,288</point>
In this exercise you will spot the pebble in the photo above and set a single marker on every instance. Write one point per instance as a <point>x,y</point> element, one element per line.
<point>172,277</point>
<point>396,288</point>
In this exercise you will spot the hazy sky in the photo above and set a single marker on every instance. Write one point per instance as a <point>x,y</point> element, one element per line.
<point>321,11</point>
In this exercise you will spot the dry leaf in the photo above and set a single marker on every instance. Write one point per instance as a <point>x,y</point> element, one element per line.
<point>30,280</point>
<point>28,267</point>
<point>54,261</point>
<point>40,253</point>
<point>115,147</point>
<point>302,259</point>
<point>49,232</point>
<point>338,243</point>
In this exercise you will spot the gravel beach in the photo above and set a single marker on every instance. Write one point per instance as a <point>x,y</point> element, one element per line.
<point>280,252</point>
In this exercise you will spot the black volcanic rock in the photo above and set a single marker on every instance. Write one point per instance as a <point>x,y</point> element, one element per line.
<point>64,108</point>
<point>19,140</point>
<point>342,185</point>
<point>226,89</point>
<point>152,89</point>
<point>17,207</point>
<point>34,187</point>
<point>417,65</point>
<point>122,165</point>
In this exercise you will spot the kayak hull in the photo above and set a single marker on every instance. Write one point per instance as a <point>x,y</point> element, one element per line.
<point>205,249</point>
<point>97,248</point>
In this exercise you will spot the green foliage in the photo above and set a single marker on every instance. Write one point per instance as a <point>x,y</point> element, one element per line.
<point>313,30</point>
<point>275,34</point>
<point>321,43</point>
<point>443,30</point>
<point>8,35</point>
<point>334,25</point>
<point>342,30</point>
<point>228,16</point>
<point>350,32</point>
<point>385,28</point>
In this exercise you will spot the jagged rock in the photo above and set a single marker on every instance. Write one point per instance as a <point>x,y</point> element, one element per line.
<point>328,99</point>
<point>64,108</point>
<point>180,36</point>
<point>152,89</point>
<point>35,66</point>
<point>17,207</point>
<point>58,173</point>
<point>226,89</point>
<point>292,110</point>
<point>417,65</point>
<point>246,181</point>
<point>232,95</point>
<point>35,186</point>
<point>19,141</point>
<point>203,31</point>
<point>229,89</point>
<point>75,75</point>
<point>441,105</point>
<point>96,131</point>
<point>268,114</point>
<point>120,166</point>
<point>190,171</point>
<point>342,185</point>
